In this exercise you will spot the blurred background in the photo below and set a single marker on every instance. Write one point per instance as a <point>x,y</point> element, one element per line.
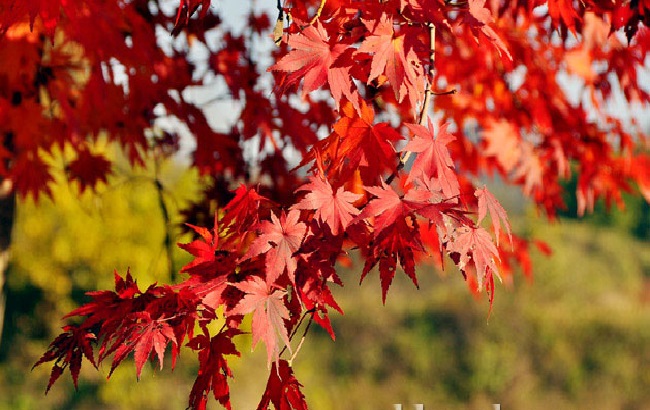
<point>575,336</point>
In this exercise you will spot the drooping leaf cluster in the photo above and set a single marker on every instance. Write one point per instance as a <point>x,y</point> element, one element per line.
<point>353,89</point>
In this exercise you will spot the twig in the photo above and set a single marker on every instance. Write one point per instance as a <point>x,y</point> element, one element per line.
<point>432,61</point>
<point>279,25</point>
<point>295,329</point>
<point>168,243</point>
<point>302,339</point>
<point>427,101</point>
<point>318,12</point>
<point>448,92</point>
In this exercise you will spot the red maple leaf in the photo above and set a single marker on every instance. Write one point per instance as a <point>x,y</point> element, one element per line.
<point>316,296</point>
<point>140,334</point>
<point>269,313</point>
<point>185,11</point>
<point>562,12</point>
<point>31,175</point>
<point>316,270</point>
<point>397,242</point>
<point>242,211</point>
<point>395,234</point>
<point>210,267</point>
<point>282,389</point>
<point>312,57</point>
<point>488,203</point>
<point>67,350</point>
<point>279,239</point>
<point>152,335</point>
<point>433,160</point>
<point>334,209</point>
<point>213,368</point>
<point>481,17</point>
<point>210,259</point>
<point>89,169</point>
<point>389,208</point>
<point>359,143</point>
<point>475,243</point>
<point>392,57</point>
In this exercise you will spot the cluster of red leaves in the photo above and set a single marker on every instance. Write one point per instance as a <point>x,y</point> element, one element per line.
<point>272,251</point>
<point>69,78</point>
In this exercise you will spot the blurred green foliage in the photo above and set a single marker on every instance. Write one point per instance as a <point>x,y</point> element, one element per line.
<point>576,338</point>
<point>634,217</point>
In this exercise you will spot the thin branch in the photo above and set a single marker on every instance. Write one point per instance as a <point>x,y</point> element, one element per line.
<point>279,25</point>
<point>432,61</point>
<point>302,339</point>
<point>318,12</point>
<point>448,92</point>
<point>295,329</point>
<point>427,101</point>
<point>168,242</point>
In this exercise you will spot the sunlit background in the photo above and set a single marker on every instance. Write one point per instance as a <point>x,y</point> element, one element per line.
<point>576,336</point>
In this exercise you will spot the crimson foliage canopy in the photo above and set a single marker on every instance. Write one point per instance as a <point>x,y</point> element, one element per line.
<point>394,111</point>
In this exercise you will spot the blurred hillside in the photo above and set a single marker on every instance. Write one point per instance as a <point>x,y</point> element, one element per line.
<point>577,337</point>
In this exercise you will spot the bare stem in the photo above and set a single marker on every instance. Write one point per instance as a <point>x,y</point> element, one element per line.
<point>295,329</point>
<point>168,242</point>
<point>279,25</point>
<point>427,101</point>
<point>318,12</point>
<point>302,339</point>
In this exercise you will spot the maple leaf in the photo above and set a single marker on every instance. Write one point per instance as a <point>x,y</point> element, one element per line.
<point>213,368</point>
<point>67,350</point>
<point>398,242</point>
<point>269,313</point>
<point>185,11</point>
<point>388,207</point>
<point>313,57</point>
<point>392,57</point>
<point>503,142</point>
<point>89,169</point>
<point>481,17</point>
<point>140,334</point>
<point>487,202</point>
<point>433,159</point>
<point>31,176</point>
<point>109,308</point>
<point>475,243</point>
<point>279,239</point>
<point>316,295</point>
<point>562,11</point>
<point>282,389</point>
<point>395,233</point>
<point>210,260</point>
<point>359,143</point>
<point>530,170</point>
<point>242,210</point>
<point>321,250</point>
<point>153,336</point>
<point>334,209</point>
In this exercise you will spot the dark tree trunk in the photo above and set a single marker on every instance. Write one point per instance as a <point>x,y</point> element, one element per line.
<point>7,206</point>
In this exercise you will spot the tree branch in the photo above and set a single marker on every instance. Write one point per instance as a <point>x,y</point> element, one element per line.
<point>427,101</point>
